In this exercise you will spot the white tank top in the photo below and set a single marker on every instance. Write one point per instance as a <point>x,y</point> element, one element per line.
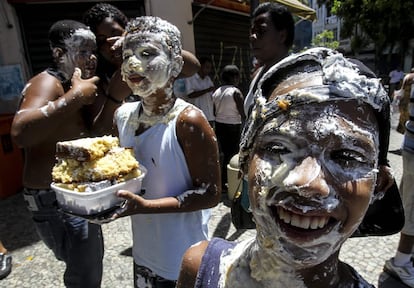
<point>226,107</point>
<point>160,240</point>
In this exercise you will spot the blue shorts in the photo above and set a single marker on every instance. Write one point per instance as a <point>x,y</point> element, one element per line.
<point>72,239</point>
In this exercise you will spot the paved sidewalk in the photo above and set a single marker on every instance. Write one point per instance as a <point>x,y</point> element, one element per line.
<point>35,266</point>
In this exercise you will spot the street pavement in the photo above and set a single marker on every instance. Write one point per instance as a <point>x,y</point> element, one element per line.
<point>34,265</point>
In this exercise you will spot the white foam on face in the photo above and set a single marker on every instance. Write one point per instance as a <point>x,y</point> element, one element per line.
<point>278,257</point>
<point>149,50</point>
<point>337,72</point>
<point>145,56</point>
<point>79,39</point>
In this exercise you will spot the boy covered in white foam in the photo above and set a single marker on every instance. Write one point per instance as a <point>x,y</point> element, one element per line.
<point>175,142</point>
<point>310,149</point>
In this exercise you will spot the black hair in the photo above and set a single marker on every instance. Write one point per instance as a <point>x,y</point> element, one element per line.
<point>203,60</point>
<point>281,18</point>
<point>97,13</point>
<point>229,72</point>
<point>62,30</point>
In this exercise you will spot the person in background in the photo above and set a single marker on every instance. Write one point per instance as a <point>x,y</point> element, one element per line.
<point>395,76</point>
<point>199,89</point>
<point>310,149</point>
<point>179,89</point>
<point>401,266</point>
<point>108,23</point>
<point>271,37</point>
<point>57,106</point>
<point>5,262</point>
<point>403,97</point>
<point>229,115</point>
<point>167,135</point>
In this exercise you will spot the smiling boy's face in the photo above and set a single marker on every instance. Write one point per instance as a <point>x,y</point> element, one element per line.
<point>147,64</point>
<point>312,175</point>
<point>151,55</point>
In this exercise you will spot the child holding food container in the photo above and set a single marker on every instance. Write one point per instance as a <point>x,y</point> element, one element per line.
<point>173,140</point>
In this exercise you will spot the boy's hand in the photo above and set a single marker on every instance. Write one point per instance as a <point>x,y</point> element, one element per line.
<point>85,89</point>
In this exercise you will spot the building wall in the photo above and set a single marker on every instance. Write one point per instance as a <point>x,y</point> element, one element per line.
<point>11,46</point>
<point>180,14</point>
<point>12,49</point>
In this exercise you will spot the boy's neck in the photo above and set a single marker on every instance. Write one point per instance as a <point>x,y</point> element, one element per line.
<point>157,104</point>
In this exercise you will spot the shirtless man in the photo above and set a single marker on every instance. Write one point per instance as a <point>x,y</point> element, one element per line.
<point>56,106</point>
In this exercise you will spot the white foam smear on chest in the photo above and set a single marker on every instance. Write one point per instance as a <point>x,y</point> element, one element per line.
<point>246,265</point>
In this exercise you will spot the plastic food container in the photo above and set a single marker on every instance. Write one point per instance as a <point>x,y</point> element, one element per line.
<point>96,202</point>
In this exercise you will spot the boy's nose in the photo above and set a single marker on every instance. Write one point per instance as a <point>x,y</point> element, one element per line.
<point>309,177</point>
<point>135,64</point>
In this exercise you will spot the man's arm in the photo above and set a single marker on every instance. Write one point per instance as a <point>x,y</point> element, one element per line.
<point>45,106</point>
<point>199,93</point>
<point>191,64</point>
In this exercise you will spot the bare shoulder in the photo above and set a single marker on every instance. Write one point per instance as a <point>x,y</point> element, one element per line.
<point>192,120</point>
<point>43,87</point>
<point>190,264</point>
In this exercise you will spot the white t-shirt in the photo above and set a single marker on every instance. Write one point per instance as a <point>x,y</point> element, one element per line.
<point>226,108</point>
<point>205,101</point>
<point>396,76</point>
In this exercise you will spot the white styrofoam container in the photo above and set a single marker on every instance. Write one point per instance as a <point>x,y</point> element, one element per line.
<point>90,203</point>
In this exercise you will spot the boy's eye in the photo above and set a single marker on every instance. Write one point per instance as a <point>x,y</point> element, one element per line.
<point>276,148</point>
<point>348,157</point>
<point>259,31</point>
<point>126,55</point>
<point>146,54</point>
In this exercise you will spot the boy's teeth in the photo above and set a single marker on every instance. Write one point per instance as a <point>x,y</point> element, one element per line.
<point>304,222</point>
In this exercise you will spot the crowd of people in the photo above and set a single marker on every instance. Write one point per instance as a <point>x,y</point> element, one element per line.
<point>312,152</point>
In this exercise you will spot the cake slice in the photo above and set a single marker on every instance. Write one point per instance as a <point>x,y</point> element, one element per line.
<point>86,149</point>
<point>90,164</point>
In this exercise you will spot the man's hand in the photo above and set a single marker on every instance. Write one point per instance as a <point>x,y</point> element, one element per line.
<point>85,89</point>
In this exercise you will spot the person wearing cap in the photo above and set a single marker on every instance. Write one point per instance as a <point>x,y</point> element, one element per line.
<point>59,104</point>
<point>310,150</point>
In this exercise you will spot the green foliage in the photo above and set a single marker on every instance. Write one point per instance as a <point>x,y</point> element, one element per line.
<point>386,23</point>
<point>325,39</point>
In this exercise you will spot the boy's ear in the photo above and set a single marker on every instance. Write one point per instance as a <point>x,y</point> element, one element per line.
<point>177,65</point>
<point>385,180</point>
<point>57,52</point>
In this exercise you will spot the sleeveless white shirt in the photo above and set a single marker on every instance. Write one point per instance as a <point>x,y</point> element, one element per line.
<point>160,240</point>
